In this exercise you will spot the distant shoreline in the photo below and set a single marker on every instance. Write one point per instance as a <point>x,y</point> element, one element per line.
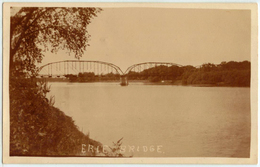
<point>146,82</point>
<point>179,83</point>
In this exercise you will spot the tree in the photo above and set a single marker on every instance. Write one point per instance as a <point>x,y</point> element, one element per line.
<point>36,127</point>
<point>34,30</point>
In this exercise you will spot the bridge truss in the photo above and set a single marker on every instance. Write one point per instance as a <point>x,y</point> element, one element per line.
<point>62,68</point>
<point>147,65</point>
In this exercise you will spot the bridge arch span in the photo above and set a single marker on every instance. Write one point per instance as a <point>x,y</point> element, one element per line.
<point>61,68</point>
<point>146,65</point>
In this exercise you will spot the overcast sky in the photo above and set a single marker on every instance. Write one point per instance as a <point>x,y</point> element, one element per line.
<point>125,36</point>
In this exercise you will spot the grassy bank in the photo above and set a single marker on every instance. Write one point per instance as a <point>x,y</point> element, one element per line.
<point>39,129</point>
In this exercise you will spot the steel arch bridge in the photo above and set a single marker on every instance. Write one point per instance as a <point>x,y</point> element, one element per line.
<point>146,65</point>
<point>62,68</point>
<point>99,68</point>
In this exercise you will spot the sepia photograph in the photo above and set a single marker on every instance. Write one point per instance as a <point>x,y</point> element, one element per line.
<point>130,83</point>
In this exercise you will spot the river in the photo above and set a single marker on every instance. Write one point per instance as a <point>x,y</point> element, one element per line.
<point>160,120</point>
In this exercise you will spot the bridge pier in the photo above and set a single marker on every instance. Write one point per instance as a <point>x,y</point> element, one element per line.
<point>123,80</point>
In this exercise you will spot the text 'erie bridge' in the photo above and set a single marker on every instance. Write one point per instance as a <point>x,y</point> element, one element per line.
<point>101,69</point>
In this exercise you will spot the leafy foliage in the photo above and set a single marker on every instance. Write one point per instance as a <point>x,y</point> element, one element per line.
<point>35,29</point>
<point>156,74</point>
<point>91,77</point>
<point>36,127</point>
<point>225,74</point>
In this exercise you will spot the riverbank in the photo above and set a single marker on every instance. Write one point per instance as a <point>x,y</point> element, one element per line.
<point>179,83</point>
<point>37,128</point>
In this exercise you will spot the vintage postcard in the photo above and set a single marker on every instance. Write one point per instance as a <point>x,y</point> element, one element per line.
<point>130,83</point>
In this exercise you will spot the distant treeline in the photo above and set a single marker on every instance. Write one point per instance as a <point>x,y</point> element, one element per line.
<point>225,74</point>
<point>91,77</point>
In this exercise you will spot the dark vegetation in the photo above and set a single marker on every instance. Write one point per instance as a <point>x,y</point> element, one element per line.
<point>225,74</point>
<point>36,127</point>
<point>39,129</point>
<point>91,77</point>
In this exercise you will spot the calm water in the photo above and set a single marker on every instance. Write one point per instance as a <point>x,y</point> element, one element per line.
<point>174,120</point>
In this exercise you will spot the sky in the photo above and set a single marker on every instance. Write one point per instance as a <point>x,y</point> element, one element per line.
<point>126,36</point>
